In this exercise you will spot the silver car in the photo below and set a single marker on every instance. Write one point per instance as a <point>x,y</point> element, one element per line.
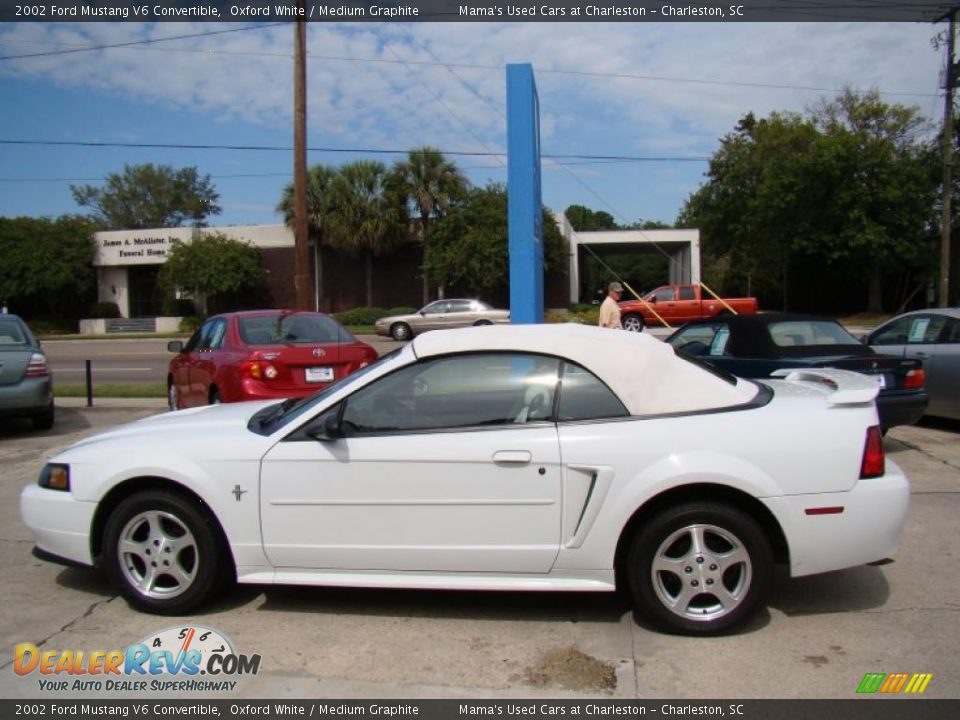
<point>932,336</point>
<point>26,385</point>
<point>438,315</point>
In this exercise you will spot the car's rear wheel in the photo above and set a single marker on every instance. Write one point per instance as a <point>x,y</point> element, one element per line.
<point>162,553</point>
<point>633,323</point>
<point>215,398</point>
<point>400,331</point>
<point>43,420</point>
<point>699,568</point>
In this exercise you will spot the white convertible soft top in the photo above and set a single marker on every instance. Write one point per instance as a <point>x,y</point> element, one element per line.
<point>644,372</point>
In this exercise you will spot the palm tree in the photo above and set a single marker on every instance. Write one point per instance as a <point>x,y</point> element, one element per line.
<point>366,218</point>
<point>430,183</point>
<point>320,207</point>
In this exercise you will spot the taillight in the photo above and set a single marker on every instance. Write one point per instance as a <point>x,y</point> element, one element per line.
<point>915,379</point>
<point>874,460</point>
<point>37,367</point>
<point>260,370</point>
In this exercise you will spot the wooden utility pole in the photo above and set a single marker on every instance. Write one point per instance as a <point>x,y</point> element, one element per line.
<point>301,271</point>
<point>943,299</point>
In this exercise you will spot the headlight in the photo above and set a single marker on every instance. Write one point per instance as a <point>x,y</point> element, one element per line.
<point>55,476</point>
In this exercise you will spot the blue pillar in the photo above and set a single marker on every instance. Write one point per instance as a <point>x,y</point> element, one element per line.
<point>525,208</point>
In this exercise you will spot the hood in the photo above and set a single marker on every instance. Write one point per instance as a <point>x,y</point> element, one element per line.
<point>184,426</point>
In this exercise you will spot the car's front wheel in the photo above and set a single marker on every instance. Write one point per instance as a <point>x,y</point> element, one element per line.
<point>699,568</point>
<point>162,553</point>
<point>633,323</point>
<point>173,402</point>
<point>400,331</point>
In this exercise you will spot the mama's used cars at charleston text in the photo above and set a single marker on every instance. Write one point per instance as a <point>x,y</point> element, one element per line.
<point>553,457</point>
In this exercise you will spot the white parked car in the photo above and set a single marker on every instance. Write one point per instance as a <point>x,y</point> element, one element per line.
<point>548,457</point>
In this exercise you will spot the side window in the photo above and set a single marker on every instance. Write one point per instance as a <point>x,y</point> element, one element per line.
<point>896,333</point>
<point>687,293</point>
<point>665,294</point>
<point>435,308</point>
<point>479,389</point>
<point>926,329</point>
<point>460,306</point>
<point>211,335</point>
<point>584,397</point>
<point>953,332</point>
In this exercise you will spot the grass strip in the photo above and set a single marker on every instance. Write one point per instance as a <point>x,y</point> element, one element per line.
<point>151,390</point>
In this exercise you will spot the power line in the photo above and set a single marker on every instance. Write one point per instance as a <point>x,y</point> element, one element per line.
<point>369,151</point>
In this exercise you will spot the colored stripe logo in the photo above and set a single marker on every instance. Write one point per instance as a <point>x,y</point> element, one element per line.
<point>894,683</point>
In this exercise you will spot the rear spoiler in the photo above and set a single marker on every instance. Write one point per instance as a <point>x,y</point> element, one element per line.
<point>849,388</point>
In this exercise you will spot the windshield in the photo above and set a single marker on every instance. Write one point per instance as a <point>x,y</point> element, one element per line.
<point>274,417</point>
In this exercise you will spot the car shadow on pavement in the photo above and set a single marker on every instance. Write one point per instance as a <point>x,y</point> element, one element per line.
<point>459,604</point>
<point>66,420</point>
<point>85,580</point>
<point>855,589</point>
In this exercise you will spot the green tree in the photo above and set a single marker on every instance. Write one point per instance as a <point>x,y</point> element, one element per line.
<point>321,210</point>
<point>847,190</point>
<point>47,266</point>
<point>431,184</point>
<point>367,219</point>
<point>583,219</point>
<point>150,196</point>
<point>471,249</point>
<point>218,272</point>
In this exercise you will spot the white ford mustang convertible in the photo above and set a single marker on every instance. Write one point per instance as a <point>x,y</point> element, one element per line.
<point>547,457</point>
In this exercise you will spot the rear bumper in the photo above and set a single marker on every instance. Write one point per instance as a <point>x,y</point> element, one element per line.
<point>258,390</point>
<point>902,408</point>
<point>867,528</point>
<point>29,396</point>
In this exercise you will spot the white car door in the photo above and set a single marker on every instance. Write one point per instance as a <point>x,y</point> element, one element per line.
<point>451,464</point>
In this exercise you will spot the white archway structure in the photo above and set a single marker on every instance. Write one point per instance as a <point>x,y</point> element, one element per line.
<point>681,246</point>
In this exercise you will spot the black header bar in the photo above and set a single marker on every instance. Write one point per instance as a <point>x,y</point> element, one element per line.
<point>639,11</point>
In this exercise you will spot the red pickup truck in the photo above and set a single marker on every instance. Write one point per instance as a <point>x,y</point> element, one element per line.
<point>678,304</point>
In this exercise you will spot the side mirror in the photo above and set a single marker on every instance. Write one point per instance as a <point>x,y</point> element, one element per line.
<point>175,346</point>
<point>327,429</point>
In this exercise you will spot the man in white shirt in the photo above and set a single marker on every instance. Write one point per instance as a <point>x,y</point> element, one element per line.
<point>610,310</point>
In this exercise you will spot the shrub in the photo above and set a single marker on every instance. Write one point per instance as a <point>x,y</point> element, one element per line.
<point>189,324</point>
<point>105,310</point>
<point>51,326</point>
<point>360,316</point>
<point>587,317</point>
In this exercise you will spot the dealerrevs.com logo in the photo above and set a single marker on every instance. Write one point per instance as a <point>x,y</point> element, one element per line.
<point>181,659</point>
<point>894,683</point>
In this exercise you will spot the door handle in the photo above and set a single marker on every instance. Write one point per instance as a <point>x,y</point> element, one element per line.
<point>512,457</point>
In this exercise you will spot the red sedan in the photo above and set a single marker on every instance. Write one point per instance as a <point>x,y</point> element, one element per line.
<point>262,355</point>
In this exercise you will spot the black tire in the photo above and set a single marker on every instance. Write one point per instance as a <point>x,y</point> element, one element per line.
<point>44,420</point>
<point>173,401</point>
<point>214,397</point>
<point>632,322</point>
<point>400,332</point>
<point>482,323</point>
<point>190,563</point>
<point>699,593</point>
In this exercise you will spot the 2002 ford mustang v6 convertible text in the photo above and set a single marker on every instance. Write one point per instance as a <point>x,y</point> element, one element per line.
<point>547,457</point>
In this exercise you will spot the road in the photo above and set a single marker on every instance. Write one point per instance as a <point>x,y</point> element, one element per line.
<point>125,361</point>
<point>818,638</point>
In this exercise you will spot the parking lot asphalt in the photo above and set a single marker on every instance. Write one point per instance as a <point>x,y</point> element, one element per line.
<point>818,638</point>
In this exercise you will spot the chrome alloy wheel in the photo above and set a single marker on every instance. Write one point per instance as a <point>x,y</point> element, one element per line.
<point>701,572</point>
<point>158,555</point>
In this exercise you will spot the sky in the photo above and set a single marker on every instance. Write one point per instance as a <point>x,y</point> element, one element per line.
<point>659,96</point>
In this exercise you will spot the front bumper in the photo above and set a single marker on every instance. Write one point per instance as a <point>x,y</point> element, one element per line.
<point>59,522</point>
<point>866,530</point>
